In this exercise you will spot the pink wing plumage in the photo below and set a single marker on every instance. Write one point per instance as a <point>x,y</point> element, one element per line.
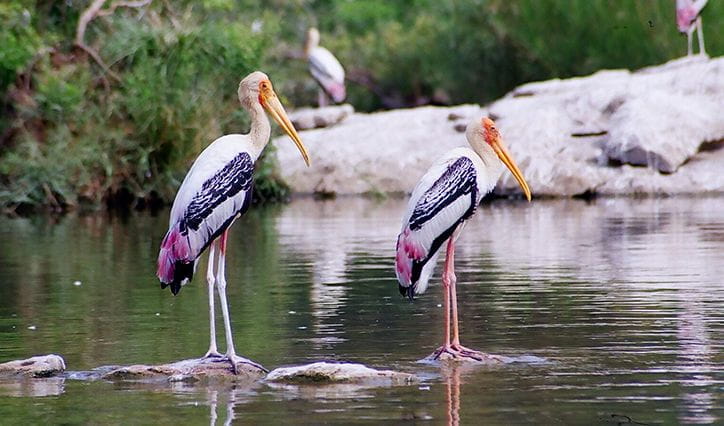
<point>409,249</point>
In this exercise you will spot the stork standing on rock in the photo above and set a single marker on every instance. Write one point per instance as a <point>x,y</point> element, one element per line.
<point>325,69</point>
<point>688,19</point>
<point>216,191</point>
<point>444,199</point>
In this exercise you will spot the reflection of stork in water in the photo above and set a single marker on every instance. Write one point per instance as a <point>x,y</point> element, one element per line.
<point>453,394</point>
<point>447,196</point>
<point>688,19</point>
<point>325,69</point>
<point>215,192</point>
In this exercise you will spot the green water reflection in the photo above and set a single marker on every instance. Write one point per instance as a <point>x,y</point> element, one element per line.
<point>624,298</point>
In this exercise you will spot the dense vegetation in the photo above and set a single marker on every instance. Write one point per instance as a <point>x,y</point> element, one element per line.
<point>117,115</point>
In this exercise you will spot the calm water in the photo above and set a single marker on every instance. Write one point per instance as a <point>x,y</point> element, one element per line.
<point>623,297</point>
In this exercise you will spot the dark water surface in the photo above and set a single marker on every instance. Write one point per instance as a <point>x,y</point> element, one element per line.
<point>624,298</point>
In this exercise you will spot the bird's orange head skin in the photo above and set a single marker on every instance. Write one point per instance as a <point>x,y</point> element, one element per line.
<point>265,91</point>
<point>491,132</point>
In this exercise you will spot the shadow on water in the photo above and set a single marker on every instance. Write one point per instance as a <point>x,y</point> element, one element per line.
<point>622,297</point>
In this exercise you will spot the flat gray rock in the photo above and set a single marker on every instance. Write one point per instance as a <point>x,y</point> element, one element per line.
<point>658,130</point>
<point>189,370</point>
<point>37,366</point>
<point>330,373</point>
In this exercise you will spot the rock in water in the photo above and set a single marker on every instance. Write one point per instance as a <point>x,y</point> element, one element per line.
<point>328,373</point>
<point>37,366</point>
<point>482,359</point>
<point>189,370</point>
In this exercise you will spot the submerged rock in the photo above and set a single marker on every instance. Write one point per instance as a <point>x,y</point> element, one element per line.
<point>312,118</point>
<point>189,370</point>
<point>37,366</point>
<point>658,130</point>
<point>328,372</point>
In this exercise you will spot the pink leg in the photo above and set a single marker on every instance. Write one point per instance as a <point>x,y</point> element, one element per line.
<point>454,348</point>
<point>452,280</point>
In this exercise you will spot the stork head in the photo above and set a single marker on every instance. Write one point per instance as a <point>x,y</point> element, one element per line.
<point>256,88</point>
<point>312,40</point>
<point>485,139</point>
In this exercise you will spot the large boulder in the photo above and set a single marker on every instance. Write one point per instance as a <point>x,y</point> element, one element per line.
<point>658,130</point>
<point>371,153</point>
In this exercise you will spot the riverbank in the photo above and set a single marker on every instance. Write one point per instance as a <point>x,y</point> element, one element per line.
<point>655,131</point>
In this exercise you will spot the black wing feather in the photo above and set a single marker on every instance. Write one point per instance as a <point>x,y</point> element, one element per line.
<point>236,176</point>
<point>458,180</point>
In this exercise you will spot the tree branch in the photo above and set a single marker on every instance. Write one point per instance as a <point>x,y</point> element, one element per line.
<point>95,10</point>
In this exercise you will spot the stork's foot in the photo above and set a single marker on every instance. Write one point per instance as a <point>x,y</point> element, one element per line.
<point>458,352</point>
<point>237,361</point>
<point>213,354</point>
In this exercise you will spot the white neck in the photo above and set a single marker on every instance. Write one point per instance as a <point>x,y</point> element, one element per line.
<point>312,42</point>
<point>260,128</point>
<point>493,169</point>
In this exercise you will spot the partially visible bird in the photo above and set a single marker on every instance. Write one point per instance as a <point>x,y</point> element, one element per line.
<point>325,69</point>
<point>688,19</point>
<point>444,199</point>
<point>216,191</point>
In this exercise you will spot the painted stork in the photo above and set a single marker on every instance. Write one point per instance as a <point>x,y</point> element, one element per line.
<point>325,69</point>
<point>688,19</point>
<point>215,192</point>
<point>444,199</point>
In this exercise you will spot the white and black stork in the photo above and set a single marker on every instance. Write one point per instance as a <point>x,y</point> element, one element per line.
<point>325,69</point>
<point>216,191</point>
<point>444,199</point>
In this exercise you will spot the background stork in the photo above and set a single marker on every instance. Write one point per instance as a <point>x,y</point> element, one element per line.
<point>215,192</point>
<point>688,19</point>
<point>446,196</point>
<point>325,69</point>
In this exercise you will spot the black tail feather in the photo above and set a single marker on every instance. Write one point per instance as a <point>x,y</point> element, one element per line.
<point>408,292</point>
<point>182,272</point>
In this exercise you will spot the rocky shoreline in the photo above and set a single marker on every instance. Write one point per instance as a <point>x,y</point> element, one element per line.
<point>655,131</point>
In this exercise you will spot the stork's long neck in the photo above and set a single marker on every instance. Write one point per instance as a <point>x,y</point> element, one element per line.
<point>311,43</point>
<point>260,128</point>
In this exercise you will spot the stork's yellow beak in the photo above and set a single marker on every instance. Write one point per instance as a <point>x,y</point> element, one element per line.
<point>270,102</point>
<point>504,155</point>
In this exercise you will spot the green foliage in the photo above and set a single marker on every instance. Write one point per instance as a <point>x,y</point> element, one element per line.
<point>19,42</point>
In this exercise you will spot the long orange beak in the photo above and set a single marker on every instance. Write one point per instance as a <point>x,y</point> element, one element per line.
<point>271,104</point>
<point>505,157</point>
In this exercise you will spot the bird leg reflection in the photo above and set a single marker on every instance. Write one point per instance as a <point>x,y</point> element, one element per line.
<point>453,396</point>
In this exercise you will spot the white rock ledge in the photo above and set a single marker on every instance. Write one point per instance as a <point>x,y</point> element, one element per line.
<point>659,130</point>
<point>330,373</point>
